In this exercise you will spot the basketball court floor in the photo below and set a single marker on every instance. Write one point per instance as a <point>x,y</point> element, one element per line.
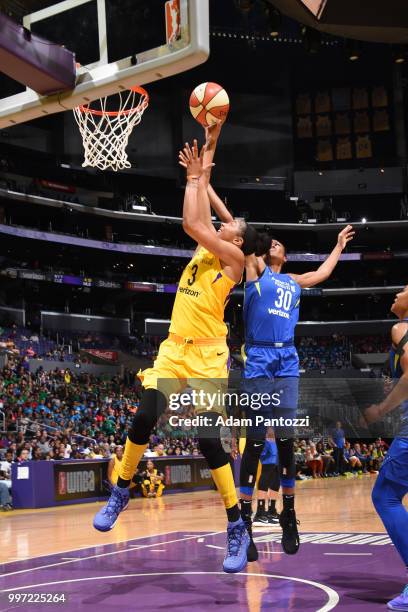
<point>167,553</point>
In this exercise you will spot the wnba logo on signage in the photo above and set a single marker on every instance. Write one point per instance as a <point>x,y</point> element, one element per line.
<point>177,474</point>
<point>76,482</point>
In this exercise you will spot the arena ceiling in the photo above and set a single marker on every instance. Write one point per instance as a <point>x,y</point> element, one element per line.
<point>373,20</point>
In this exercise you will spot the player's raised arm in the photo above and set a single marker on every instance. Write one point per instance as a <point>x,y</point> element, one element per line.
<point>192,161</point>
<point>228,242</point>
<point>310,279</point>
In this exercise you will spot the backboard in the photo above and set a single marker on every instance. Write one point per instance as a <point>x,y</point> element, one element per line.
<point>118,44</point>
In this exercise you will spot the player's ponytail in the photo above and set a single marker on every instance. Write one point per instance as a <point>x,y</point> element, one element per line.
<point>263,244</point>
<point>255,242</point>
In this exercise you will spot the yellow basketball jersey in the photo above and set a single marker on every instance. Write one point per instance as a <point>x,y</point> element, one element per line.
<point>202,295</point>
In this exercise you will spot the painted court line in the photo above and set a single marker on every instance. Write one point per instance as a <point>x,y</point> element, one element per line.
<point>332,595</point>
<point>271,552</point>
<point>61,552</point>
<point>214,546</point>
<point>108,554</point>
<point>349,554</point>
<point>157,550</point>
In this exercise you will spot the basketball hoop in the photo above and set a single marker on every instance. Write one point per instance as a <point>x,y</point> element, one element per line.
<point>105,133</point>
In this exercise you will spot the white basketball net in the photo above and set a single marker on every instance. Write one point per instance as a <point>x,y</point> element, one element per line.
<point>105,134</point>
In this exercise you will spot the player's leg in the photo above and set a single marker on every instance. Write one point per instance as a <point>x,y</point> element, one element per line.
<point>387,498</point>
<point>268,480</point>
<point>251,389</point>
<point>247,478</point>
<point>288,389</point>
<point>219,464</point>
<point>273,494</point>
<point>152,405</point>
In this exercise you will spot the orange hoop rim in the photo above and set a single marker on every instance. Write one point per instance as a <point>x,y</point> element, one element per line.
<point>85,108</point>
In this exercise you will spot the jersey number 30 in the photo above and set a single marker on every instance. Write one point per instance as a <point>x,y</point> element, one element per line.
<point>284,299</point>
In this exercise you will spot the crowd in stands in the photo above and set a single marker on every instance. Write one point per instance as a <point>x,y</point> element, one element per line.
<point>319,459</point>
<point>316,353</point>
<point>70,414</point>
<point>370,344</point>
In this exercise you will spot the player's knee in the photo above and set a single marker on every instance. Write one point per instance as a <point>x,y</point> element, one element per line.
<point>152,406</point>
<point>212,450</point>
<point>253,449</point>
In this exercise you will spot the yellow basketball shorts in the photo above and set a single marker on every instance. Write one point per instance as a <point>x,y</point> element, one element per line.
<point>180,366</point>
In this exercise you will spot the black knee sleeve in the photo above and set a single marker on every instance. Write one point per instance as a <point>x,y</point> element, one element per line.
<point>152,406</point>
<point>249,464</point>
<point>212,450</point>
<point>269,478</point>
<point>287,465</point>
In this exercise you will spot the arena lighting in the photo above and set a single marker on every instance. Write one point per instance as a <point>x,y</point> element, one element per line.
<point>294,198</point>
<point>139,208</point>
<point>274,21</point>
<point>363,220</point>
<point>399,54</point>
<point>353,50</point>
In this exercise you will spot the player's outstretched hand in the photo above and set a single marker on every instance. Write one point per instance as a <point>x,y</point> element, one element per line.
<point>192,161</point>
<point>345,236</point>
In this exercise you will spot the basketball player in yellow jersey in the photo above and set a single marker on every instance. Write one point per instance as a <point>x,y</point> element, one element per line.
<point>195,354</point>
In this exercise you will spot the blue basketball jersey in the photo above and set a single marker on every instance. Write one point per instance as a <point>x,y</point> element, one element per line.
<point>271,308</point>
<point>270,453</point>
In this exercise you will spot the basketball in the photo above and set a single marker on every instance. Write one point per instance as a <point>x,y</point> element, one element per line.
<point>209,102</point>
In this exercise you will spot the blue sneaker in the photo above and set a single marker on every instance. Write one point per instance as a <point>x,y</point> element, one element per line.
<point>400,602</point>
<point>237,546</point>
<point>107,516</point>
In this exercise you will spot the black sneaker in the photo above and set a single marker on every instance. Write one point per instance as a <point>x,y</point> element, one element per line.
<point>252,553</point>
<point>273,518</point>
<point>261,519</point>
<point>290,536</point>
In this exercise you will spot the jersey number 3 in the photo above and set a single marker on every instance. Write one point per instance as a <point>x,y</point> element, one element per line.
<point>194,270</point>
<point>284,299</point>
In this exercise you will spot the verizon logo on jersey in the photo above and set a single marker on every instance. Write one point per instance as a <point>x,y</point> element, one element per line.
<point>280,313</point>
<point>188,291</point>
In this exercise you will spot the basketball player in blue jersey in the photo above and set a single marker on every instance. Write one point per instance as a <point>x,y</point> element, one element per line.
<point>271,312</point>
<point>392,483</point>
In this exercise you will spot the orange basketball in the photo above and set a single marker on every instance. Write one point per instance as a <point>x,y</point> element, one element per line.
<point>209,102</point>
